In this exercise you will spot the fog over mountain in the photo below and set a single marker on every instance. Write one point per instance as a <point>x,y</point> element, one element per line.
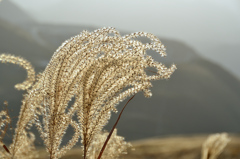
<point>14,15</point>
<point>200,97</point>
<point>212,28</point>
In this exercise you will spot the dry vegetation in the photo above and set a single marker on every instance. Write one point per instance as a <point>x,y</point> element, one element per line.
<point>181,147</point>
<point>177,147</point>
<point>96,70</point>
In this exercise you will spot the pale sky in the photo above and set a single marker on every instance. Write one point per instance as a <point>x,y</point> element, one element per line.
<point>211,27</point>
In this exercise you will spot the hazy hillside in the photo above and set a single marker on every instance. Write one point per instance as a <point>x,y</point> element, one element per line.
<point>9,11</point>
<point>200,97</point>
<point>17,41</point>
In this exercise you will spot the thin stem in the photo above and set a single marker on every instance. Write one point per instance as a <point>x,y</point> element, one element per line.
<point>6,149</point>
<point>114,126</point>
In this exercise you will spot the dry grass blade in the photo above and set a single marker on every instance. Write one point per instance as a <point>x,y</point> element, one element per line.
<point>116,147</point>
<point>114,126</point>
<point>5,147</point>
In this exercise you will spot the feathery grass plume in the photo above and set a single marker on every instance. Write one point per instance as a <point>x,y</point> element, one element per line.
<point>214,145</point>
<point>94,68</point>
<point>115,147</point>
<point>98,70</point>
<point>23,141</point>
<point>26,116</point>
<point>27,149</point>
<point>6,58</point>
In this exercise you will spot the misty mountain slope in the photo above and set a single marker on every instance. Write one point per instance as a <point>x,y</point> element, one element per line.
<point>15,15</point>
<point>16,41</point>
<point>55,35</point>
<point>227,79</point>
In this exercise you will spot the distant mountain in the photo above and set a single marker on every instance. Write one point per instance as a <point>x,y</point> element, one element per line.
<point>200,97</point>
<point>18,41</point>
<point>51,36</point>
<point>15,15</point>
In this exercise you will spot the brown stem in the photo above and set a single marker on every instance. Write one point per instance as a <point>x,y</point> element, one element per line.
<point>114,126</point>
<point>85,152</point>
<point>6,149</point>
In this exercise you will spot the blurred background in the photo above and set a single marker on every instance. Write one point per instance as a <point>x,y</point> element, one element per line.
<point>202,39</point>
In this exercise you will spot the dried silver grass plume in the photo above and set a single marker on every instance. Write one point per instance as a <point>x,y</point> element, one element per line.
<point>6,58</point>
<point>94,68</point>
<point>27,148</point>
<point>214,145</point>
<point>97,70</point>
